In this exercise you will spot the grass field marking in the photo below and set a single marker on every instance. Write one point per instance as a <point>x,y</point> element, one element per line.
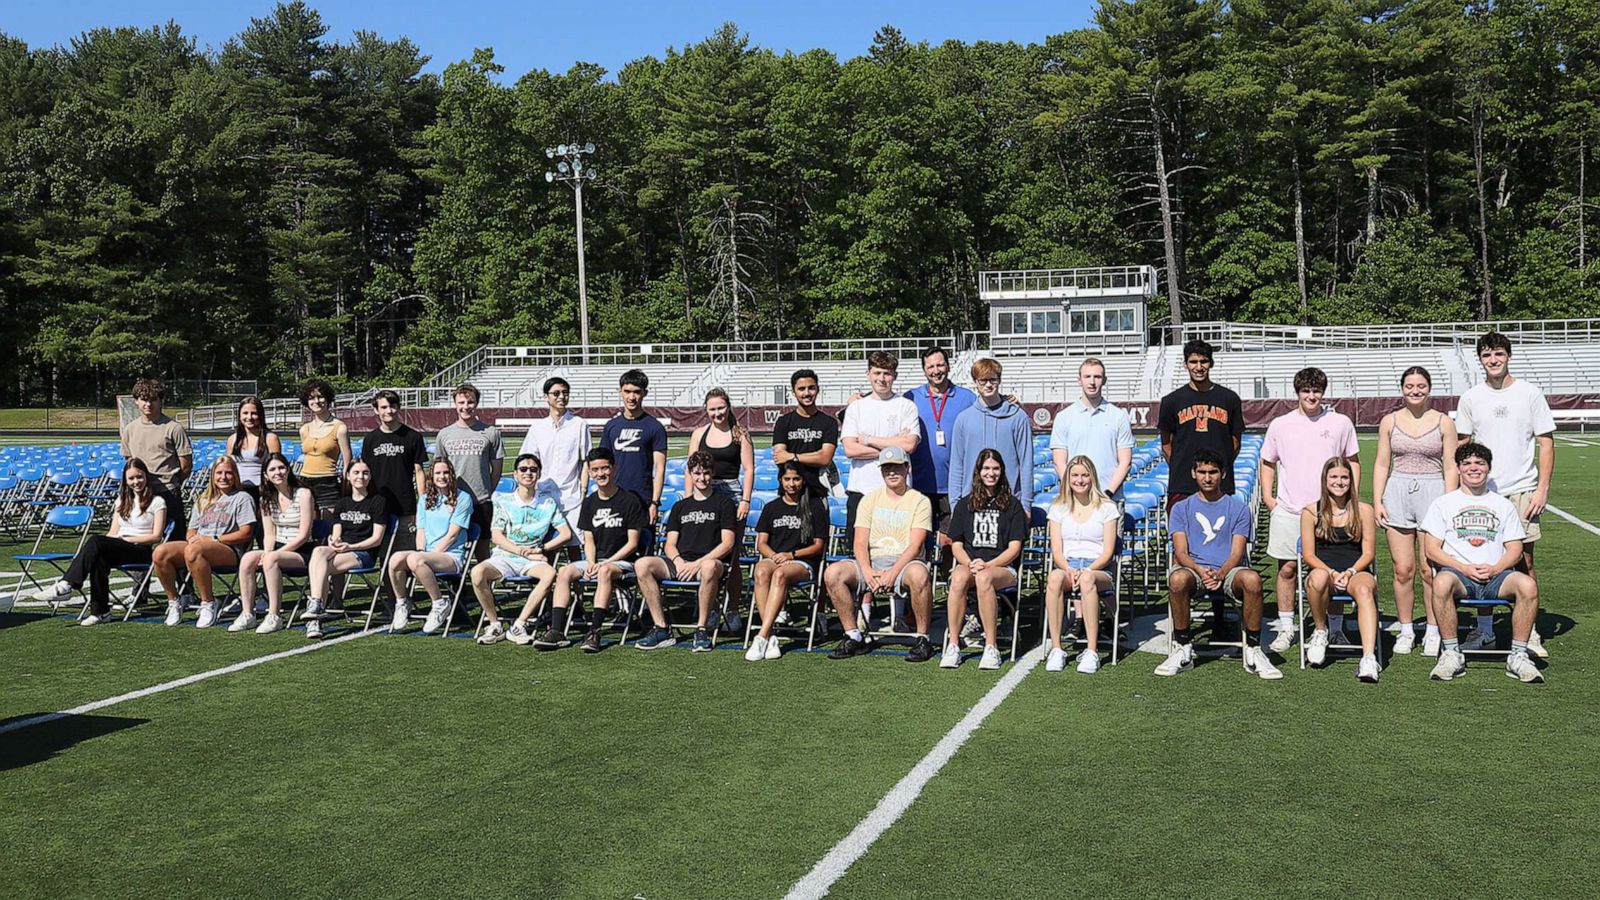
<point>1574,520</point>
<point>180,682</point>
<point>844,854</point>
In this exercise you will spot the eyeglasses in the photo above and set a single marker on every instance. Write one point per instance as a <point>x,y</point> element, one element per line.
<point>527,468</point>
<point>988,381</point>
<point>556,394</point>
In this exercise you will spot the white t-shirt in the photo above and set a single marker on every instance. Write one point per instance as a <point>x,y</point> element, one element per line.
<point>1083,540</point>
<point>1506,421</point>
<point>561,451</point>
<point>1474,528</point>
<point>871,417</point>
<point>142,521</point>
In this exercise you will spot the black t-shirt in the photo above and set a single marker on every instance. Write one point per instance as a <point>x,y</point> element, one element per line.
<point>611,520</point>
<point>1198,419</point>
<point>807,434</point>
<point>356,518</point>
<point>780,522</point>
<point>700,523</point>
<point>987,533</point>
<point>393,457</point>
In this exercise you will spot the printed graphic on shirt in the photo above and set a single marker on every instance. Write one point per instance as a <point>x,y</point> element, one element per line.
<point>627,440</point>
<point>1477,525</point>
<point>1202,415</point>
<point>986,528</point>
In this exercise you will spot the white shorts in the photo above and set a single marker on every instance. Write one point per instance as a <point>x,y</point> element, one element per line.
<point>515,565</point>
<point>1283,533</point>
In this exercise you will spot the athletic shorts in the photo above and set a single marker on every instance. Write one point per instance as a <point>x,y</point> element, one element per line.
<point>1406,498</point>
<point>1227,578</point>
<point>1478,590</point>
<point>672,570</point>
<point>514,565</point>
<point>623,567</point>
<point>1283,533</point>
<point>861,577</point>
<point>1521,501</point>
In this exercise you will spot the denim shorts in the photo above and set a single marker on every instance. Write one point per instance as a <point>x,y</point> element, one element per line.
<point>1479,590</point>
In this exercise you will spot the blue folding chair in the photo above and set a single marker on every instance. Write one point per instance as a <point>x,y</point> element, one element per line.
<point>58,524</point>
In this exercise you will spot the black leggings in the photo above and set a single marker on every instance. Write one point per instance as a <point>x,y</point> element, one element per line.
<point>94,562</point>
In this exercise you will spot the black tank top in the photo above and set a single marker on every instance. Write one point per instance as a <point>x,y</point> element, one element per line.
<point>726,459</point>
<point>1338,550</point>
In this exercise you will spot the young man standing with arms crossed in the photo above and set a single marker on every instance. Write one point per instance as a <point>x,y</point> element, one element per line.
<point>872,424</point>
<point>1093,427</point>
<point>475,448</point>
<point>807,435</point>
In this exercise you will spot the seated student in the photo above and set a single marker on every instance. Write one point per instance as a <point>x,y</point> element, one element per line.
<point>1338,543</point>
<point>288,513</point>
<point>527,528</point>
<point>360,523</point>
<point>613,521</point>
<point>791,538</point>
<point>892,525</point>
<point>987,530</point>
<point>701,532</point>
<point>1083,539</point>
<point>443,518</point>
<point>1210,531</point>
<point>138,522</point>
<point>1473,538</point>
<point>221,526</point>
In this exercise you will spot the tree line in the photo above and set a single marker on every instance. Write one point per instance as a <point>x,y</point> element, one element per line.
<point>292,204</point>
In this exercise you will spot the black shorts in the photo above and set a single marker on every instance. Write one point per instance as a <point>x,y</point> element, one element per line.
<point>324,490</point>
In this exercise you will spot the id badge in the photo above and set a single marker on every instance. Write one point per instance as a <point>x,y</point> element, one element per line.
<point>938,437</point>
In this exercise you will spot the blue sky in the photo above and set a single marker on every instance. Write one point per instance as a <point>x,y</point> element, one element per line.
<point>527,35</point>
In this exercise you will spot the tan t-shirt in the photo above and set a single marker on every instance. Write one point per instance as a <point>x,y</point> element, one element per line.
<point>159,444</point>
<point>889,520</point>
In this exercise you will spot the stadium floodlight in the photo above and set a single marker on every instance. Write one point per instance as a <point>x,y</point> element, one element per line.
<point>572,171</point>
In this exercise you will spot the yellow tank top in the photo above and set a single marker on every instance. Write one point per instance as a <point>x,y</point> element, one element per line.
<point>319,454</point>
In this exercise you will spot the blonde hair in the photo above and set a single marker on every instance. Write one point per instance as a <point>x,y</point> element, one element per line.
<point>210,494</point>
<point>1324,526</point>
<point>1097,497</point>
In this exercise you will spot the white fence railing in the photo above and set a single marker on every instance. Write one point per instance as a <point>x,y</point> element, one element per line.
<point>1107,281</point>
<point>1235,336</point>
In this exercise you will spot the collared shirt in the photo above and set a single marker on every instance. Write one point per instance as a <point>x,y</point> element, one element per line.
<point>937,414</point>
<point>1097,432</point>
<point>562,446</point>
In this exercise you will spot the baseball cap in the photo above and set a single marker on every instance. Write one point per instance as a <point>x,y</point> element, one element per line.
<point>893,455</point>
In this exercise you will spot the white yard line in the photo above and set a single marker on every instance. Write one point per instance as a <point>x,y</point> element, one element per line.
<point>1574,520</point>
<point>832,867</point>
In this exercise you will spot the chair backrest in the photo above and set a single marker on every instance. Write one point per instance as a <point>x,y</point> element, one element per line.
<point>69,516</point>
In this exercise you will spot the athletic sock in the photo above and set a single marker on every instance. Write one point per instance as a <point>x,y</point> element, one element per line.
<point>1451,645</point>
<point>597,618</point>
<point>1519,646</point>
<point>1335,623</point>
<point>1431,631</point>
<point>558,619</point>
<point>1486,623</point>
<point>1252,637</point>
<point>1286,621</point>
<point>854,634</point>
<point>1183,636</point>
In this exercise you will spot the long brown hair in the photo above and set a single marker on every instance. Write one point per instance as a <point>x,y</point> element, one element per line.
<point>269,492</point>
<point>435,493</point>
<point>984,497</point>
<point>125,495</point>
<point>242,434</point>
<point>739,433</point>
<point>1324,526</point>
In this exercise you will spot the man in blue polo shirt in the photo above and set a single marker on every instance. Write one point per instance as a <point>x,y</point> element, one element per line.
<point>1095,428</point>
<point>939,403</point>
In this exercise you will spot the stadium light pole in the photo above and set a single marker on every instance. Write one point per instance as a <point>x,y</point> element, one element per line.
<point>571,169</point>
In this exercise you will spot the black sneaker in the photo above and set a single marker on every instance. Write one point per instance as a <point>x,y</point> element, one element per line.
<point>921,650</point>
<point>591,642</point>
<point>848,647</point>
<point>551,640</point>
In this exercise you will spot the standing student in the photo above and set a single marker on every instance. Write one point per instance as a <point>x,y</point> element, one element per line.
<point>1340,543</point>
<point>476,451</point>
<point>872,424</point>
<point>1083,540</point>
<point>324,444</point>
<point>987,530</point>
<point>992,423</point>
<point>638,444</point>
<point>733,455</point>
<point>1296,446</point>
<point>161,442</point>
<point>528,527</point>
<point>360,525</point>
<point>791,538</point>
<point>1199,414</point>
<point>701,531</point>
<point>613,521</point>
<point>251,441</point>
<point>807,436</point>
<point>396,454</point>
<point>1415,465</point>
<point>444,520</point>
<point>287,514</point>
<point>1510,417</point>
<point>138,522</point>
<point>1095,427</point>
<point>939,402</point>
<point>221,527</point>
<point>561,441</point>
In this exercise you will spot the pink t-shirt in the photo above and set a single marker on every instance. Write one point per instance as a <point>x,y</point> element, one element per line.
<point>1300,445</point>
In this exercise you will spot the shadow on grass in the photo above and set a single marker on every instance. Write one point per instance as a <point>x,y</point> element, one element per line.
<point>14,619</point>
<point>37,743</point>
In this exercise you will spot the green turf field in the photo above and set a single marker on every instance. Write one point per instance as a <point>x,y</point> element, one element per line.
<point>423,767</point>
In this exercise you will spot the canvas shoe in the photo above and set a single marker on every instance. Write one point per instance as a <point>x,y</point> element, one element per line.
<point>1088,662</point>
<point>1283,641</point>
<point>1520,667</point>
<point>1536,645</point>
<point>1451,665</point>
<point>1317,648</point>
<point>90,619</point>
<point>951,657</point>
<point>437,613</point>
<point>245,622</point>
<point>657,639</point>
<point>314,630</point>
<point>1431,644</point>
<point>990,659</point>
<point>315,609</point>
<point>402,615</point>
<point>1367,670</point>
<point>757,650</point>
<point>774,651</point>
<point>51,593</point>
<point>1479,639</point>
<point>1056,661</point>
<point>272,622</point>
<point>493,634</point>
<point>1405,641</point>
<point>1257,663</point>
<point>518,634</point>
<point>1179,659</point>
<point>782,617</point>
<point>208,615</point>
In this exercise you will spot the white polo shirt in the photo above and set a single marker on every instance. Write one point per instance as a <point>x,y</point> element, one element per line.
<point>562,447</point>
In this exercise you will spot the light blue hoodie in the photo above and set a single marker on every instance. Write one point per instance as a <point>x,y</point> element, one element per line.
<point>1005,428</point>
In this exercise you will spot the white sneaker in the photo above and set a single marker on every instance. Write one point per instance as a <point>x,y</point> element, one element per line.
<point>1317,648</point>
<point>951,658</point>
<point>245,622</point>
<point>990,659</point>
<point>1478,640</point>
<point>313,630</point>
<point>493,634</point>
<point>1368,670</point>
<point>1536,645</point>
<point>174,612</point>
<point>51,593</point>
<point>208,615</point>
<point>315,609</point>
<point>1405,641</point>
<point>1430,644</point>
<point>90,619</point>
<point>1520,667</point>
<point>1179,659</point>
<point>402,615</point>
<point>1283,641</point>
<point>774,650</point>
<point>1056,661</point>
<point>1257,663</point>
<point>517,634</point>
<point>1088,662</point>
<point>757,651</point>
<point>272,622</point>
<point>436,616</point>
<point>782,618</point>
<point>1451,665</point>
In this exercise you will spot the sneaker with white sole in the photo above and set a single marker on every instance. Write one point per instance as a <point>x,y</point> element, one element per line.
<point>990,659</point>
<point>782,618</point>
<point>315,609</point>
<point>1479,639</point>
<point>314,630</point>
<point>1430,644</point>
<point>245,622</point>
<point>1317,648</point>
<point>1179,659</point>
<point>436,616</point>
<point>1405,641</point>
<point>1257,663</point>
<point>90,619</point>
<point>174,612</point>
<point>1536,645</point>
<point>774,651</point>
<point>402,615</point>
<point>757,650</point>
<point>1520,667</point>
<point>208,615</point>
<point>270,623</point>
<point>50,593</point>
<point>518,634</point>
<point>951,657</point>
<point>658,638</point>
<point>1283,641</point>
<point>494,633</point>
<point>1088,662</point>
<point>1451,665</point>
<point>1367,671</point>
<point>1056,661</point>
